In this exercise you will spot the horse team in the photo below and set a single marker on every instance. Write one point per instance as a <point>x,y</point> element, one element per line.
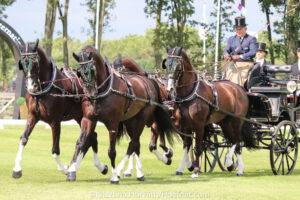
<point>125,102</point>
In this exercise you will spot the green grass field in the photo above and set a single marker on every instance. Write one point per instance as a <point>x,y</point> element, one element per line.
<point>41,180</point>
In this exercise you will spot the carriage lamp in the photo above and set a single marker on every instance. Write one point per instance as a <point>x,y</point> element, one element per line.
<point>291,86</point>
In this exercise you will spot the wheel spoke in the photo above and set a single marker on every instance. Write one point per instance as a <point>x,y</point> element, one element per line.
<point>278,169</point>
<point>276,158</point>
<point>208,161</point>
<point>287,162</point>
<point>282,160</point>
<point>291,158</point>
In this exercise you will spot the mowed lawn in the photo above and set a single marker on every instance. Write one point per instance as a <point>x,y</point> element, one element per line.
<point>41,180</point>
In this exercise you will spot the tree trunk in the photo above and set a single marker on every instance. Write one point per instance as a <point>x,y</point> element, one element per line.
<point>4,56</point>
<point>267,10</point>
<point>64,20</point>
<point>157,32</point>
<point>101,22</point>
<point>49,25</point>
<point>292,29</point>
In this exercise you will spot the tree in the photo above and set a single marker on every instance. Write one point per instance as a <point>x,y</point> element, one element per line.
<point>154,8</point>
<point>292,31</point>
<point>49,25</point>
<point>4,49</point>
<point>104,12</point>
<point>64,20</point>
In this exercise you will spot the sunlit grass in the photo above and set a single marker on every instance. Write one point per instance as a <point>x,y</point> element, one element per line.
<point>41,180</point>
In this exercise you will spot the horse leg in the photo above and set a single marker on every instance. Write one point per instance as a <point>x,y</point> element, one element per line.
<point>82,145</point>
<point>199,147</point>
<point>31,122</point>
<point>98,164</point>
<point>166,158</point>
<point>94,143</point>
<point>240,163</point>
<point>56,128</point>
<point>127,172</point>
<point>185,162</point>
<point>113,132</point>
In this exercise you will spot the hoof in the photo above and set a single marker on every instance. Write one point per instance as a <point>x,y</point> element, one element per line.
<point>179,173</point>
<point>169,154</point>
<point>230,168</point>
<point>191,168</point>
<point>105,170</point>
<point>141,178</point>
<point>127,175</point>
<point>71,176</point>
<point>239,174</point>
<point>169,161</point>
<point>114,182</point>
<point>17,175</point>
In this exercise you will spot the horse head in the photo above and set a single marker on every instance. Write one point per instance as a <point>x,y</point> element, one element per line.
<point>89,60</point>
<point>31,62</point>
<point>175,66</point>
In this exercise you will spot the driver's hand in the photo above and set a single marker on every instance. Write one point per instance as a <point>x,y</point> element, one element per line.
<point>227,57</point>
<point>236,57</point>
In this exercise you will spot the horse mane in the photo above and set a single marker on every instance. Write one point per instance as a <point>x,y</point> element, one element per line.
<point>43,55</point>
<point>186,58</point>
<point>131,65</point>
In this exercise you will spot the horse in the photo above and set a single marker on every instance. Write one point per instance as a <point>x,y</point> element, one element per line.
<point>121,103</point>
<point>129,66</point>
<point>199,104</point>
<point>46,100</point>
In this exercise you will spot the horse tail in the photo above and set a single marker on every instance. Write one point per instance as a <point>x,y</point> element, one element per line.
<point>164,124</point>
<point>121,131</point>
<point>162,118</point>
<point>248,135</point>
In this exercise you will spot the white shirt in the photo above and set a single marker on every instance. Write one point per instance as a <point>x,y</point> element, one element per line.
<point>299,64</point>
<point>261,61</point>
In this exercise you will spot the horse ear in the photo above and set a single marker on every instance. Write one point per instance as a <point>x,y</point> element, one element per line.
<point>180,50</point>
<point>163,65</point>
<point>76,57</point>
<point>20,65</point>
<point>168,49</point>
<point>36,44</point>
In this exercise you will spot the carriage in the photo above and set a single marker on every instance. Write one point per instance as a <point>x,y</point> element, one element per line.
<point>274,115</point>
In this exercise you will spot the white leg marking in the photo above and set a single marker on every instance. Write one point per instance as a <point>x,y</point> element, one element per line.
<point>170,84</point>
<point>60,166</point>
<point>241,165</point>
<point>160,156</point>
<point>114,177</point>
<point>130,165</point>
<point>18,160</point>
<point>75,165</point>
<point>183,162</point>
<point>228,157</point>
<point>139,172</point>
<point>121,165</point>
<point>100,166</point>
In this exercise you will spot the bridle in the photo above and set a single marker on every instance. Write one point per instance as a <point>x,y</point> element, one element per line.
<point>88,78</point>
<point>34,58</point>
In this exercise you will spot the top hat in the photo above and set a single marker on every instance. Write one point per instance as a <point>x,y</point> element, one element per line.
<point>298,48</point>
<point>262,47</point>
<point>240,22</point>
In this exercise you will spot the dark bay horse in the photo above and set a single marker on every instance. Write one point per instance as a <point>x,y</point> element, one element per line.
<point>194,99</point>
<point>116,101</point>
<point>129,66</point>
<point>43,82</point>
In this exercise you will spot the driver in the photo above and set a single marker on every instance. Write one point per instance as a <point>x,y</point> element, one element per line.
<point>241,48</point>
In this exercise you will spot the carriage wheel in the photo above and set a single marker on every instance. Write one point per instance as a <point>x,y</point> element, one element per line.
<point>284,148</point>
<point>209,156</point>
<point>223,151</point>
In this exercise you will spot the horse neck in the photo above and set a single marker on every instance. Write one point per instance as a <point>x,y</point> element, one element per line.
<point>187,81</point>
<point>45,71</point>
<point>101,70</point>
